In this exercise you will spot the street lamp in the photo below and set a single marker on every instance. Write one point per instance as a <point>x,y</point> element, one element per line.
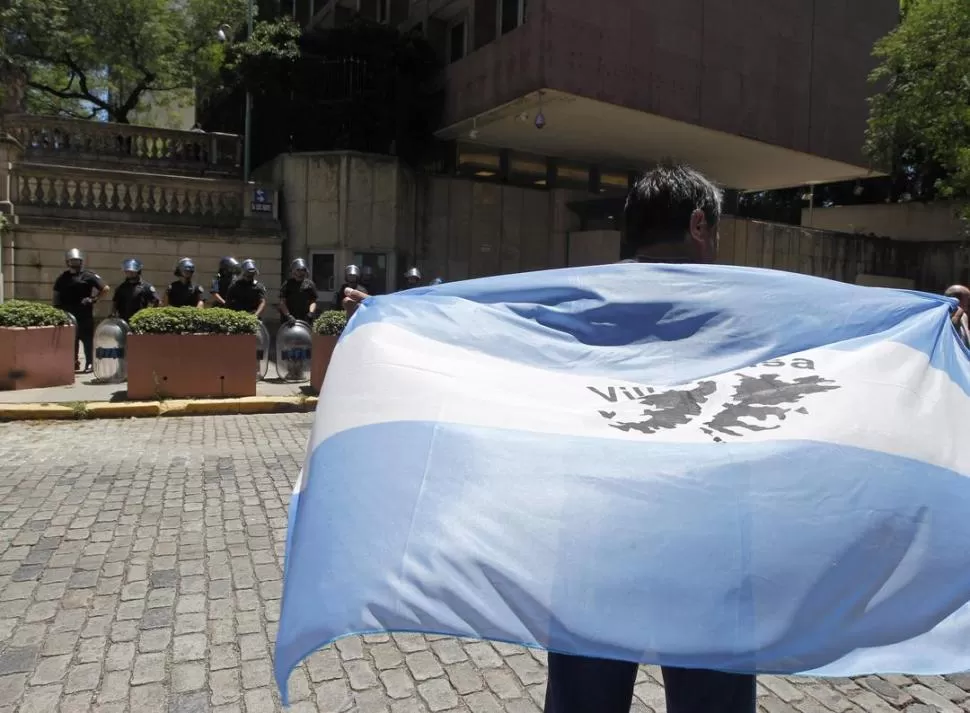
<point>223,34</point>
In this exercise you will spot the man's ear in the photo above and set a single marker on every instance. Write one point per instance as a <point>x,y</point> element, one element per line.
<point>698,225</point>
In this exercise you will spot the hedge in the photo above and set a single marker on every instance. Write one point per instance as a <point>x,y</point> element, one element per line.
<point>192,320</point>
<point>21,313</point>
<point>330,324</point>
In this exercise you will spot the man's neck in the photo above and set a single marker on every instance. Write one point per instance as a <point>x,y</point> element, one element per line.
<point>663,252</point>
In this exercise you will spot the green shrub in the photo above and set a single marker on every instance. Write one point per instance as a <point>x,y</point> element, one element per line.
<point>21,313</point>
<point>191,320</point>
<point>330,324</point>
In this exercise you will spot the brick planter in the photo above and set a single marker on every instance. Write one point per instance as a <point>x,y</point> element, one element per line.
<point>323,346</point>
<point>184,366</point>
<point>34,357</point>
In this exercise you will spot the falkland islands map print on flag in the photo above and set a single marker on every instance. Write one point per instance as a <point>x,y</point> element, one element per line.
<point>700,466</point>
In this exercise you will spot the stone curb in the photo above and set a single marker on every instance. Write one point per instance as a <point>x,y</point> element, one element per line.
<point>148,409</point>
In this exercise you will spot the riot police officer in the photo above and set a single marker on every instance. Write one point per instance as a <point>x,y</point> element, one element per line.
<point>436,281</point>
<point>183,292</point>
<point>352,281</point>
<point>298,295</point>
<point>75,291</point>
<point>247,294</point>
<point>367,279</point>
<point>412,278</point>
<point>134,294</point>
<point>228,270</point>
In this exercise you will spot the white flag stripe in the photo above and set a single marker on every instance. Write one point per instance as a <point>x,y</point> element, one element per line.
<point>381,373</point>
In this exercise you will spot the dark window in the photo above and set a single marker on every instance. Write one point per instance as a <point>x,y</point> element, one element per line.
<point>513,14</point>
<point>456,42</point>
<point>572,175</point>
<point>322,267</point>
<point>527,170</point>
<point>377,262</point>
<point>480,162</point>
<point>486,13</point>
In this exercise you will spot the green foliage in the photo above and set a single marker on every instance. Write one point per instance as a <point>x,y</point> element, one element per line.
<point>191,320</point>
<point>331,323</point>
<point>262,61</point>
<point>21,313</point>
<point>362,86</point>
<point>102,58</point>
<point>920,121</point>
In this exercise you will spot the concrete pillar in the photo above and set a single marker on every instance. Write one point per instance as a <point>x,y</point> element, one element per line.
<point>10,153</point>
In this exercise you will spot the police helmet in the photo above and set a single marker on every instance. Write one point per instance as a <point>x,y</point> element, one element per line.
<point>183,266</point>
<point>437,281</point>
<point>413,274</point>
<point>73,254</point>
<point>229,264</point>
<point>248,267</point>
<point>131,265</point>
<point>351,271</point>
<point>298,264</point>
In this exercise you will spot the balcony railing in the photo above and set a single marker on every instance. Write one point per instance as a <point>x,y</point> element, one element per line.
<point>93,143</point>
<point>50,191</point>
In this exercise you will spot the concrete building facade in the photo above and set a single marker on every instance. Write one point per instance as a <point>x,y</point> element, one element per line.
<point>553,106</point>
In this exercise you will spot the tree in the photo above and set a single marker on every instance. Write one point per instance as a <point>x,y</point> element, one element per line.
<point>919,122</point>
<point>102,58</point>
<point>361,86</point>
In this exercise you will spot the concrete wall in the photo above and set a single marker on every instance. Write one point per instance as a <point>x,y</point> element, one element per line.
<point>594,247</point>
<point>458,229</point>
<point>930,266</point>
<point>345,202</point>
<point>33,254</point>
<point>473,229</point>
<point>451,228</point>
<point>899,221</point>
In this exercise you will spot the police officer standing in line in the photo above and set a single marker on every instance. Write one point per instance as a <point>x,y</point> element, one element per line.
<point>183,292</point>
<point>367,278</point>
<point>134,294</point>
<point>351,281</point>
<point>298,295</point>
<point>412,278</point>
<point>228,270</point>
<point>246,293</point>
<point>75,291</point>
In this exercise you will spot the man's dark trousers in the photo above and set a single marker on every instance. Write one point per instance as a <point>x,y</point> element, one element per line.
<point>585,685</point>
<point>84,334</point>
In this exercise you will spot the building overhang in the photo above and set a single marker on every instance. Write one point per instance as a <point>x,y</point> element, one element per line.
<point>593,131</point>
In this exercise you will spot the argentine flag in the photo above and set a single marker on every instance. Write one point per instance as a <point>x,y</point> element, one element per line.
<point>697,466</point>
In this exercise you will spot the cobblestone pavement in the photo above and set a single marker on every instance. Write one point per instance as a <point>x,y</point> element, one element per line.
<point>140,567</point>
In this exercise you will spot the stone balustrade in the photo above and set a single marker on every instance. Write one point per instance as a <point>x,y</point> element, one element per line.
<point>50,191</point>
<point>100,144</point>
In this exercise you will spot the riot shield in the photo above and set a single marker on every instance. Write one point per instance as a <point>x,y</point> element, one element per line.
<point>110,358</point>
<point>262,352</point>
<point>293,343</point>
<point>72,318</point>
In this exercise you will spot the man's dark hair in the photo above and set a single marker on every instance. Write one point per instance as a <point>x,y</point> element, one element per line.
<point>661,202</point>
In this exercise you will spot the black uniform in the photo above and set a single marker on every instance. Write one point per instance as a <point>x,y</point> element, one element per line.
<point>221,284</point>
<point>338,296</point>
<point>132,297</point>
<point>245,295</point>
<point>72,288</point>
<point>299,296</point>
<point>181,294</point>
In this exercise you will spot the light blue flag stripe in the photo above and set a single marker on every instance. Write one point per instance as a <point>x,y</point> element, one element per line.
<point>749,478</point>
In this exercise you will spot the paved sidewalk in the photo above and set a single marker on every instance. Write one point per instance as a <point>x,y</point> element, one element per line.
<point>85,388</point>
<point>140,568</point>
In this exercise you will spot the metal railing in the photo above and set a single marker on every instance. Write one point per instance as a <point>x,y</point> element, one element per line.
<point>94,143</point>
